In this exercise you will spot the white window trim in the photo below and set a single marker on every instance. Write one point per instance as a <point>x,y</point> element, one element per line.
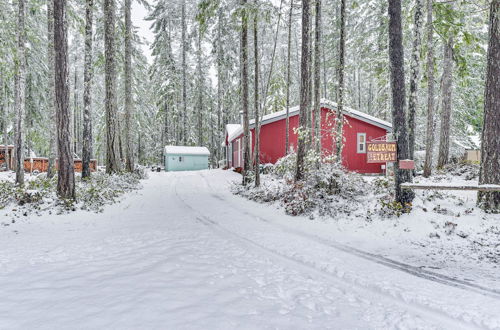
<point>358,150</point>
<point>239,152</point>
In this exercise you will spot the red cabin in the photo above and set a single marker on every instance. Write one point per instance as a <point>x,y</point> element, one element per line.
<point>358,128</point>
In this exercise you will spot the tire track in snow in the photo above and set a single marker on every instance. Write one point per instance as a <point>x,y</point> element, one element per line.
<point>379,259</point>
<point>438,317</point>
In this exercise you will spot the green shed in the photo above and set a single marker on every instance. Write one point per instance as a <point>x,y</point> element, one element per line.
<point>179,158</point>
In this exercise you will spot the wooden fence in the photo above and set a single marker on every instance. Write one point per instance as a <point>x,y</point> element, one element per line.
<point>41,164</point>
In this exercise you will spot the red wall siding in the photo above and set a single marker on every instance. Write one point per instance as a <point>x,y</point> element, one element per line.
<point>352,160</point>
<point>272,141</point>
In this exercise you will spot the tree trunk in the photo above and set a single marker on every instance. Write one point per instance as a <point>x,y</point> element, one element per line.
<point>256,97</point>
<point>112,158</point>
<point>396,56</point>
<point>5,116</point>
<point>429,138</point>
<point>74,133</point>
<point>288,68</point>
<point>66,174</point>
<point>20,92</point>
<point>50,92</point>
<point>244,89</point>
<point>317,80</point>
<point>87,91</point>
<point>304,91</point>
<point>184,135</point>
<point>129,100</point>
<point>200,89</point>
<point>415,76</point>
<point>447,90</point>
<point>220,125</point>
<point>310,113</point>
<point>339,136</point>
<point>166,139</point>
<point>490,146</point>
<point>6,137</point>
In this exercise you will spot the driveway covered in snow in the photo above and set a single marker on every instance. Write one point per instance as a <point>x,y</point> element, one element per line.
<point>184,253</point>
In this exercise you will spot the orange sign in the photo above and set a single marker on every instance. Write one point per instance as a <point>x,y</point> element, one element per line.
<point>381,152</point>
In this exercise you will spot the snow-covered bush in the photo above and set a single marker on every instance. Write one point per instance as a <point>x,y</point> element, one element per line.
<point>40,192</point>
<point>466,170</point>
<point>329,189</point>
<point>102,189</point>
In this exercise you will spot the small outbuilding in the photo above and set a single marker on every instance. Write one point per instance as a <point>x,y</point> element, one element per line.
<point>180,158</point>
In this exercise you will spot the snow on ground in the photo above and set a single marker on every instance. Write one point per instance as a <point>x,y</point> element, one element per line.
<point>185,253</point>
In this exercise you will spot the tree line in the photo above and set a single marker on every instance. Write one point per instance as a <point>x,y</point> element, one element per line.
<point>211,59</point>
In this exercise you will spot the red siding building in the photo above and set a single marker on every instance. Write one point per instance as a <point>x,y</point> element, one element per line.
<point>358,129</point>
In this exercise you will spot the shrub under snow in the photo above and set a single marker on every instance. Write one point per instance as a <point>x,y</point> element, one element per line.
<point>39,193</point>
<point>329,190</point>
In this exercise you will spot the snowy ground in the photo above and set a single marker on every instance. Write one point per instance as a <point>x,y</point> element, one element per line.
<point>184,252</point>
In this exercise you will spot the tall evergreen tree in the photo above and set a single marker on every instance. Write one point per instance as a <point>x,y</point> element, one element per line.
<point>446,91</point>
<point>87,92</point>
<point>112,156</point>
<point>396,56</point>
<point>429,137</point>
<point>20,101</point>
<point>305,81</point>
<point>490,146</point>
<point>184,132</point>
<point>244,91</point>
<point>288,69</point>
<point>256,95</point>
<point>129,100</point>
<point>51,89</point>
<point>317,78</point>
<point>66,174</point>
<point>339,137</point>
<point>414,76</point>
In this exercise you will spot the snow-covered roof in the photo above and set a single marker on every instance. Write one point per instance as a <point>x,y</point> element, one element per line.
<point>275,116</point>
<point>183,150</point>
<point>231,130</point>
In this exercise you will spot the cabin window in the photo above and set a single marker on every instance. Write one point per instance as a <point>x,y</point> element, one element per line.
<point>361,143</point>
<point>181,159</point>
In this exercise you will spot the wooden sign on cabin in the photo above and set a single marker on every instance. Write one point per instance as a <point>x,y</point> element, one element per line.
<point>381,152</point>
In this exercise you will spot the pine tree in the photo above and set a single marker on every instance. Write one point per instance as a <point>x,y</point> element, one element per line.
<point>446,91</point>
<point>129,101</point>
<point>112,157</point>
<point>396,56</point>
<point>256,95</point>
<point>304,91</point>
<point>66,174</point>
<point>200,82</point>
<point>288,68</point>
<point>184,133</point>
<point>490,146</point>
<point>317,78</point>
<point>244,89</point>
<point>20,81</point>
<point>429,139</point>
<point>51,89</point>
<point>87,92</point>
<point>339,138</point>
<point>414,76</point>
